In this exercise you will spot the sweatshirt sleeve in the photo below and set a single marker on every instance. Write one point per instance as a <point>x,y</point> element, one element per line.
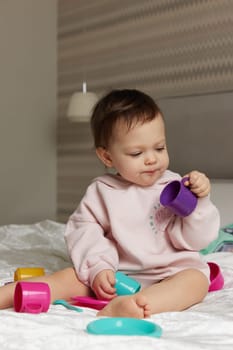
<point>197,230</point>
<point>87,239</point>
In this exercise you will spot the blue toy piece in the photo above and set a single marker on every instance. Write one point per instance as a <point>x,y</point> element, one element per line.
<point>124,326</point>
<point>223,243</point>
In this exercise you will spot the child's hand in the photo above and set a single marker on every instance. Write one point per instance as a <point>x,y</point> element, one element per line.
<point>103,285</point>
<point>198,183</point>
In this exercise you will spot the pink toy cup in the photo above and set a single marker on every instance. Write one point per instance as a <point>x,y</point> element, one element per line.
<point>178,198</point>
<point>31,297</point>
<point>216,277</point>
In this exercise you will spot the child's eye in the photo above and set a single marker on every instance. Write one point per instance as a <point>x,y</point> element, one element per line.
<point>160,149</point>
<point>135,154</point>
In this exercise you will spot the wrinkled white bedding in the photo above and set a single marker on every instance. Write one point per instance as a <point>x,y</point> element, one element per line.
<point>208,325</point>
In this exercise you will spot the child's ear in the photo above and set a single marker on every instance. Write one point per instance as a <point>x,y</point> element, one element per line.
<point>104,156</point>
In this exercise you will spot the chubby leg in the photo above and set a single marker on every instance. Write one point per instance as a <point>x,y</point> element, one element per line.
<point>63,285</point>
<point>175,293</point>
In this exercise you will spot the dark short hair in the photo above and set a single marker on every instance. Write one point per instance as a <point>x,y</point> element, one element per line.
<point>127,105</point>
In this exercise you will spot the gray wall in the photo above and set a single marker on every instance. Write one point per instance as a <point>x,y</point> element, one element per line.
<point>199,133</point>
<point>27,111</point>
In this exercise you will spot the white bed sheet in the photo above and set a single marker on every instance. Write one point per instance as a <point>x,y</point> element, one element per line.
<point>208,325</point>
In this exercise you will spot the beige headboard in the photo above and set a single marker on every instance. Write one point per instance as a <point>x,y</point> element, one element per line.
<point>200,133</point>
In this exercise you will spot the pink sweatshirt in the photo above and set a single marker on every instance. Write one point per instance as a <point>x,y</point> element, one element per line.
<point>122,226</point>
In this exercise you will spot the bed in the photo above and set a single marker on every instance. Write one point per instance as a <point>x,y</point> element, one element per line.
<point>204,326</point>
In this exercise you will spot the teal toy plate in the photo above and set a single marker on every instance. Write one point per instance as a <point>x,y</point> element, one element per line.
<point>124,326</point>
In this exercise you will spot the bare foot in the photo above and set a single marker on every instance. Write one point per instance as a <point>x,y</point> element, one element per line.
<point>135,306</point>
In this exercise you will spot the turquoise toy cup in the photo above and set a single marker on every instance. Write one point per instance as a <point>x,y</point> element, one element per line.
<point>126,285</point>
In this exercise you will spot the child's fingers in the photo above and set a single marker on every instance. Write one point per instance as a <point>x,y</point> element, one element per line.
<point>196,179</point>
<point>108,285</point>
<point>198,183</point>
<point>106,293</point>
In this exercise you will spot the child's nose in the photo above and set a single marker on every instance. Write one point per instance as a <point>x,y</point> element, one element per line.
<point>150,158</point>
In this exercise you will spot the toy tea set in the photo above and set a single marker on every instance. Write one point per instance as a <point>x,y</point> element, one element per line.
<point>34,297</point>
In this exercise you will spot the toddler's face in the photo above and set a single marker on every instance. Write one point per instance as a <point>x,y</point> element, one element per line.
<point>139,155</point>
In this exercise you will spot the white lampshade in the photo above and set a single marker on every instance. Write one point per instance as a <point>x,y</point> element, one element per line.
<point>81,105</point>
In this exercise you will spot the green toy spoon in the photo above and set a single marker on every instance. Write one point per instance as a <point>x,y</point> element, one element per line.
<point>67,305</point>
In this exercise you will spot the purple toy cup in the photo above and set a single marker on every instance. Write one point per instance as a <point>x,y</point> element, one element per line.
<point>177,197</point>
<point>31,297</point>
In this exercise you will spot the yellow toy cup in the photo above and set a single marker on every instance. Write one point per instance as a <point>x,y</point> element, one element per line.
<point>22,273</point>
